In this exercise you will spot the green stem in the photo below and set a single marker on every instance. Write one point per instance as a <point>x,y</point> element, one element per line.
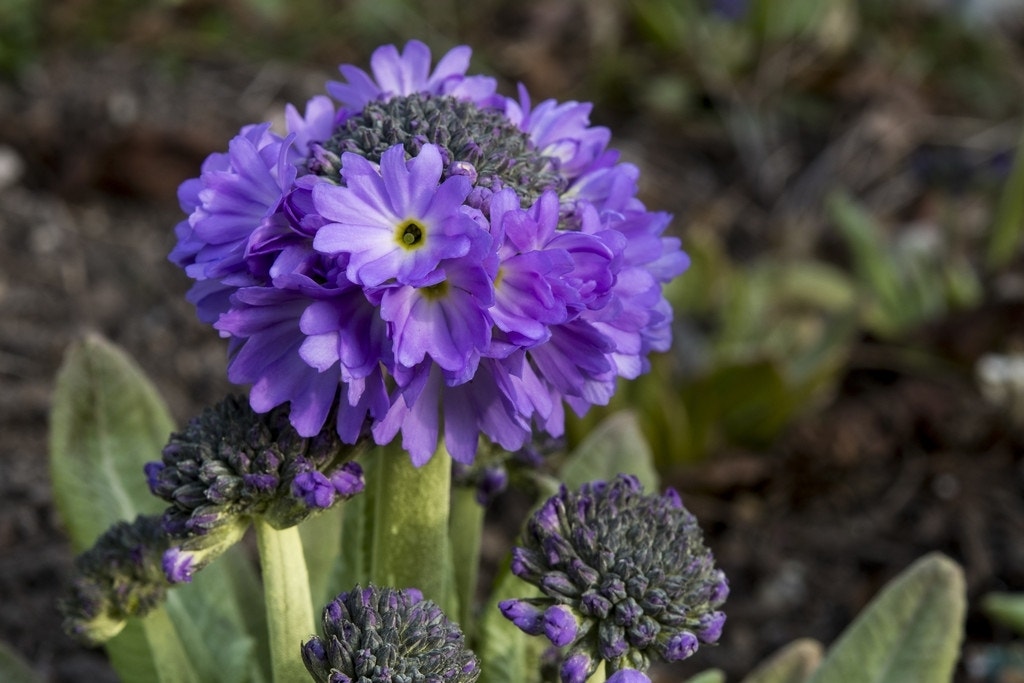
<point>409,547</point>
<point>466,526</point>
<point>288,601</point>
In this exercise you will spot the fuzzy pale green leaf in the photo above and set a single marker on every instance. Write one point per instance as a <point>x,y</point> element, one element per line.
<point>792,664</point>
<point>910,632</point>
<point>709,676</point>
<point>616,446</point>
<point>107,422</point>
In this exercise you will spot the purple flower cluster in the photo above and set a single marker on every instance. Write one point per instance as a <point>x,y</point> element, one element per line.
<point>427,256</point>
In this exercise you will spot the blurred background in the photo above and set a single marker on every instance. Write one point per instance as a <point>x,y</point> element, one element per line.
<point>846,388</point>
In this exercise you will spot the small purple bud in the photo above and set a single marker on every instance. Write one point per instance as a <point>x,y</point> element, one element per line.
<point>264,483</point>
<point>348,479</point>
<point>629,676</point>
<point>313,649</point>
<point>720,591</point>
<point>314,489</point>
<point>463,168</point>
<point>415,595</point>
<point>493,482</point>
<point>583,574</point>
<point>611,640</point>
<point>558,583</point>
<point>627,612</point>
<point>177,565</point>
<point>673,498</point>
<point>710,629</point>
<point>526,617</point>
<point>547,516</point>
<point>595,605</point>
<point>680,646</point>
<point>643,633</point>
<point>560,625</point>
<point>576,668</point>
<point>153,470</point>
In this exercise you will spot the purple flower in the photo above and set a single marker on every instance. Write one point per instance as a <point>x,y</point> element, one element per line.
<point>428,258</point>
<point>398,223</point>
<point>409,73</point>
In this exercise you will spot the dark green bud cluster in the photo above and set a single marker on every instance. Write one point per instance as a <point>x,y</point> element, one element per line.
<point>386,635</point>
<point>121,576</point>
<point>232,464</point>
<point>477,142</point>
<point>232,461</point>
<point>626,579</point>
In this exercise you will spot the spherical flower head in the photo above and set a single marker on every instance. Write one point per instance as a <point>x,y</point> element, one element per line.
<point>626,579</point>
<point>428,259</point>
<point>119,577</point>
<point>386,634</point>
<point>231,464</point>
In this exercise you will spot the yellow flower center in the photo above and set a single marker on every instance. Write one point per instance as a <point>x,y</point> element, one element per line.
<point>410,233</point>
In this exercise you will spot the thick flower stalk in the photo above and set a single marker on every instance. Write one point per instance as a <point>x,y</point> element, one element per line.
<point>424,256</point>
<point>626,579</point>
<point>120,577</point>
<point>231,465</point>
<point>386,634</point>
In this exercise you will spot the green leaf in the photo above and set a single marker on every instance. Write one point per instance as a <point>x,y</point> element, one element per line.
<point>792,664</point>
<point>617,445</point>
<point>910,632</point>
<point>1006,608</point>
<point>1008,226</point>
<point>14,669</point>
<point>221,636</point>
<point>507,655</point>
<point>107,422</point>
<point>709,676</point>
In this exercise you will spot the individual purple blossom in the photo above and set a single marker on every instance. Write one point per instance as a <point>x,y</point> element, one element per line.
<point>625,578</point>
<point>429,259</point>
<point>409,73</point>
<point>398,223</point>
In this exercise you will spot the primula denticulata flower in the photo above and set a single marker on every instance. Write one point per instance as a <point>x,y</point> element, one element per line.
<point>425,256</point>
<point>386,634</point>
<point>626,579</point>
